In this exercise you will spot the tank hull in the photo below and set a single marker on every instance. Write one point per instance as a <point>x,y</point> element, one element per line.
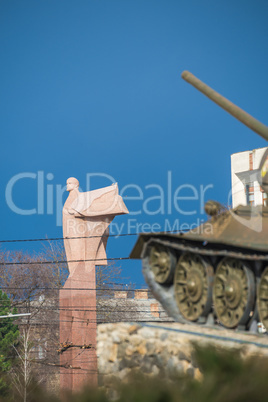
<point>236,238</point>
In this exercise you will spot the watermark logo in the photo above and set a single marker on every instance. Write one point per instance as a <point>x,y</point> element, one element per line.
<point>153,199</point>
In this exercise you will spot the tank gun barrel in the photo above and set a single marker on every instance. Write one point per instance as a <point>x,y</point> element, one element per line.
<point>230,107</point>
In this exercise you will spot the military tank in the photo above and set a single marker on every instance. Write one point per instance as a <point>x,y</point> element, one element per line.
<point>216,274</point>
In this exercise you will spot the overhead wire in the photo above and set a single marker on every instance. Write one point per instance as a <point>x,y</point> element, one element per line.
<point>87,309</point>
<point>98,321</point>
<point>104,289</point>
<point>86,237</point>
<point>62,261</point>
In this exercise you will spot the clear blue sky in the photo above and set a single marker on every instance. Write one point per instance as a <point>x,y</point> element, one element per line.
<point>94,87</point>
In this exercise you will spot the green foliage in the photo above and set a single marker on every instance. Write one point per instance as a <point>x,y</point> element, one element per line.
<point>226,377</point>
<point>9,334</point>
<point>229,377</point>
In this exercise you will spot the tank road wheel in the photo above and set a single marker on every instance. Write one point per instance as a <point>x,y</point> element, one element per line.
<point>193,286</point>
<point>233,292</point>
<point>162,262</point>
<point>262,298</point>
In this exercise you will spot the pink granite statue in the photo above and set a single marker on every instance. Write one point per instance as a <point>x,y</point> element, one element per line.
<point>86,218</point>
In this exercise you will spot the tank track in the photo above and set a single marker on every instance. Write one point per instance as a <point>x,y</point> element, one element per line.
<point>165,293</point>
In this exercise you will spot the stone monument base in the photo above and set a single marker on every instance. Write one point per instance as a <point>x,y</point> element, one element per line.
<point>78,326</point>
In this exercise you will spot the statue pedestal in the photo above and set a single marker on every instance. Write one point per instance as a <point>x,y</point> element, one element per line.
<point>78,329</point>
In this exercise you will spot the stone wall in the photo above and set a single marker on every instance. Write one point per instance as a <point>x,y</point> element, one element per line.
<point>125,349</point>
<point>167,351</point>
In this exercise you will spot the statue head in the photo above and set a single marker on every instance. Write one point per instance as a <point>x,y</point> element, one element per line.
<point>72,183</point>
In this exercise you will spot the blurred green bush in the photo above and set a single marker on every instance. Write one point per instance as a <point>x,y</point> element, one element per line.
<point>227,377</point>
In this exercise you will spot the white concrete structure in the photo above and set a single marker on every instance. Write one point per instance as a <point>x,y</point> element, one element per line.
<point>245,187</point>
